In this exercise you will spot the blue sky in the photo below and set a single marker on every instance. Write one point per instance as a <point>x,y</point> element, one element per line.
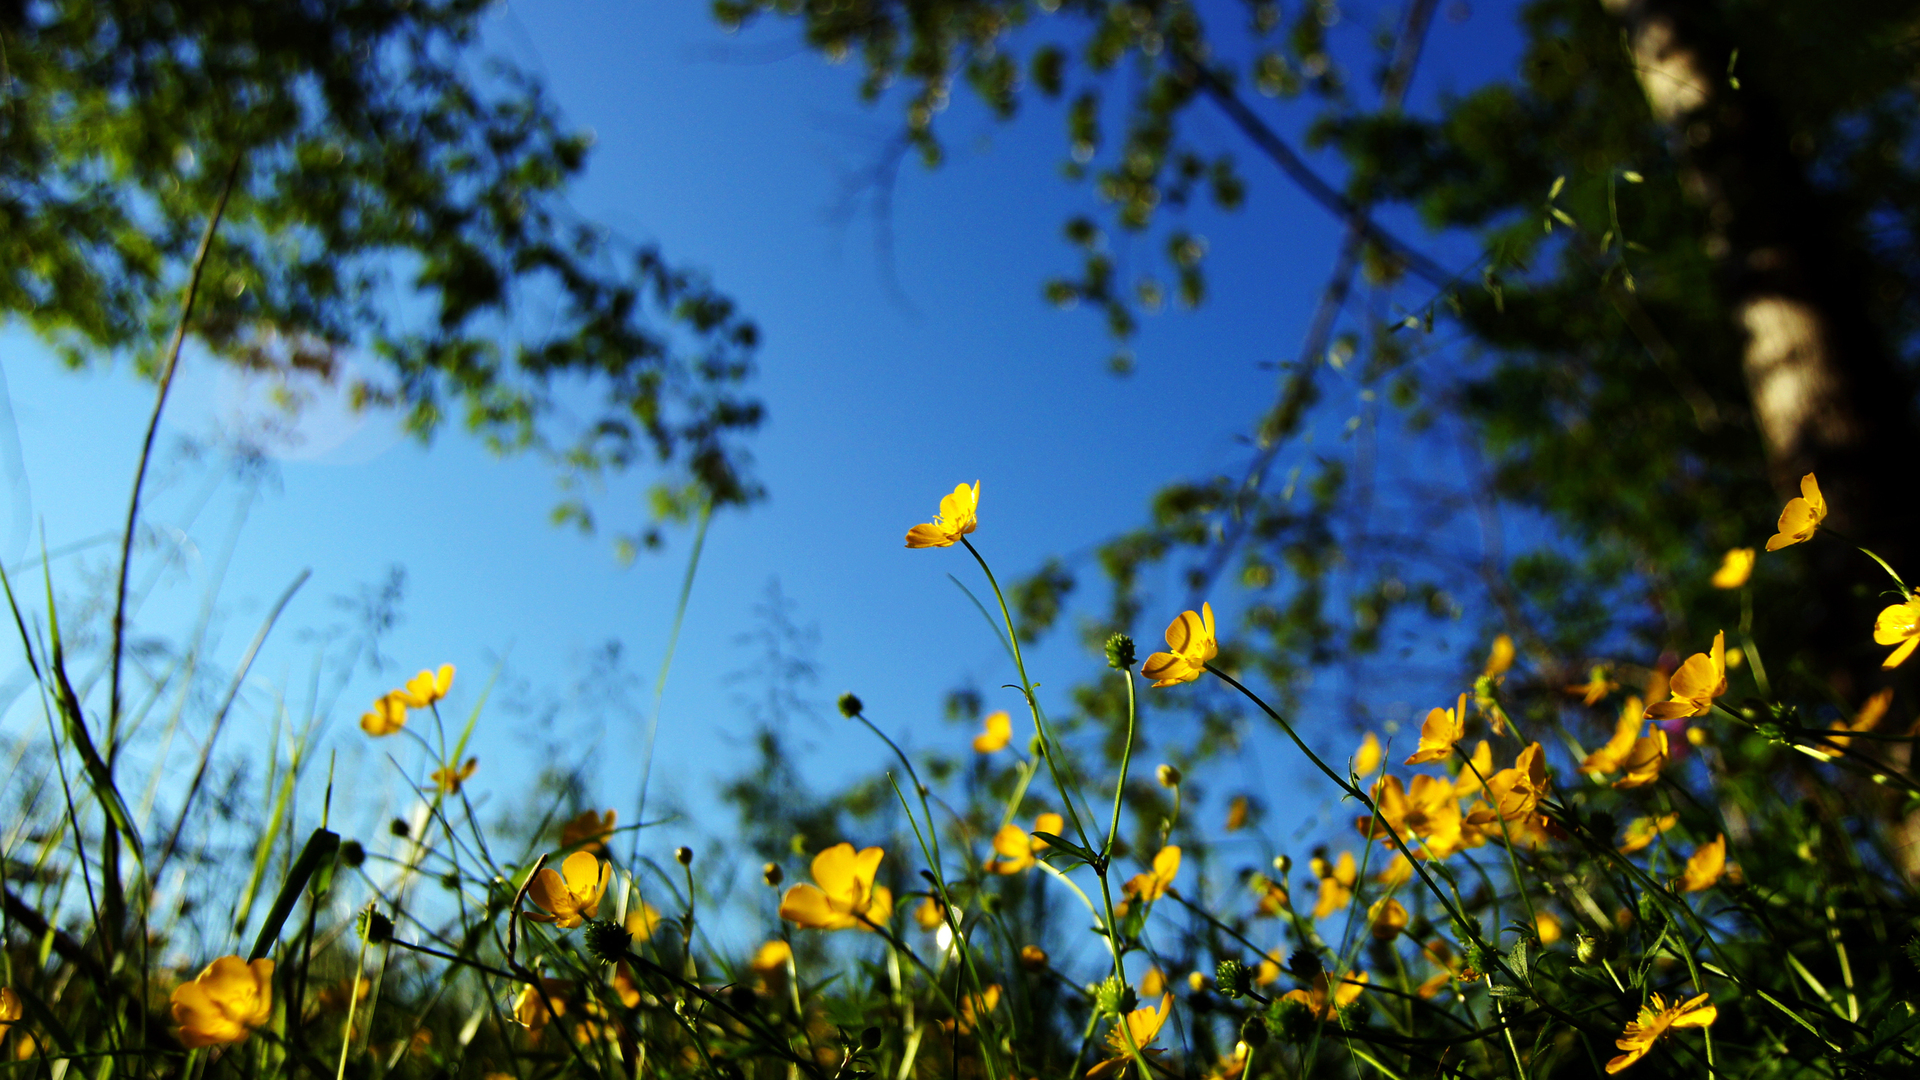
<point>732,153</point>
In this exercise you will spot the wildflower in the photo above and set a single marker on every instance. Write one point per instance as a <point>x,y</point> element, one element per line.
<point>1644,761</point>
<point>959,515</point>
<point>1438,733</point>
<point>1190,636</point>
<point>1198,981</point>
<point>1153,983</point>
<point>1033,958</point>
<point>1016,849</point>
<point>449,779</point>
<point>931,914</point>
<point>843,895</point>
<point>1704,867</point>
<point>772,874</point>
<point>1735,569</point>
<point>1322,1006</point>
<point>975,1006</point>
<point>570,895</point>
<point>536,1006</point>
<point>225,1003</point>
<point>10,1009</point>
<point>1430,810</point>
<point>1386,918</point>
<point>1134,1031</point>
<point>1478,766</point>
<point>1237,810</point>
<point>1641,832</point>
<point>1336,884</point>
<point>1801,517</point>
<point>1701,679</point>
<point>1516,792</point>
<point>642,920</point>
<point>1595,689</point>
<point>1500,657</point>
<point>1898,624</point>
<point>998,732</point>
<point>1866,719</point>
<point>589,831</point>
<point>335,998</point>
<point>1607,759</point>
<point>769,963</point>
<point>1367,759</point>
<point>1399,871</point>
<point>1272,965</point>
<point>1154,884</point>
<point>1167,776</point>
<point>427,687</point>
<point>1442,957</point>
<point>388,715</point>
<point>1546,925</point>
<point>1657,1018</point>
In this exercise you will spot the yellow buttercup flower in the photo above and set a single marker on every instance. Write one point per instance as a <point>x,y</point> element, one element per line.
<point>1319,1003</point>
<point>535,1007</point>
<point>1500,657</point>
<point>570,895</point>
<point>1478,766</point>
<point>1336,884</point>
<point>1802,516</point>
<point>1607,759</point>
<point>589,831</point>
<point>1154,884</point>
<point>959,515</point>
<point>930,915</point>
<point>1015,849</point>
<point>388,715</point>
<point>1386,918</point>
<point>1735,569</point>
<point>1140,1027</point>
<point>10,1009</point>
<point>843,896</point>
<point>1191,638</point>
<point>1429,809</point>
<point>1641,832</point>
<point>1238,810</point>
<point>1441,729</point>
<point>975,1006</point>
<point>998,732</point>
<point>1655,1020</point>
<point>427,687</point>
<point>1547,925</point>
<point>1866,719</point>
<point>1701,679</point>
<point>1033,958</point>
<point>642,920</point>
<point>1705,866</point>
<point>770,962</point>
<point>449,779</point>
<point>1644,760</point>
<point>1898,624</point>
<point>1515,792</point>
<point>225,1003</point>
<point>1367,759</point>
<point>1595,689</point>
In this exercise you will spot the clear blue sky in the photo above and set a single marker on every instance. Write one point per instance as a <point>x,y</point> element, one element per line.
<point>732,153</point>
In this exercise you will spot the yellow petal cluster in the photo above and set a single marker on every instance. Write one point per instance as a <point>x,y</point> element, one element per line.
<point>427,687</point>
<point>1898,624</point>
<point>10,1009</point>
<point>1802,516</point>
<point>843,895</point>
<point>959,515</point>
<point>1386,918</point>
<point>1336,883</point>
<point>570,895</point>
<point>1441,729</point>
<point>1641,832</point>
<point>1192,641</point>
<point>225,1003</point>
<point>1154,884</point>
<point>1656,1019</point>
<point>1704,867</point>
<point>1238,810</point>
<point>449,779</point>
<point>1608,758</point>
<point>589,831</point>
<point>1135,1031</point>
<point>1015,850</point>
<point>1735,569</point>
<point>1322,1005</point>
<point>997,731</point>
<point>1701,679</point>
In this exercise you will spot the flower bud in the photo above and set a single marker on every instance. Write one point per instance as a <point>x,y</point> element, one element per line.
<point>1305,964</point>
<point>1114,998</point>
<point>772,874</point>
<point>352,854</point>
<point>1033,958</point>
<point>1254,1033</point>
<point>870,1039</point>
<point>1168,776</point>
<point>1587,948</point>
<point>1234,979</point>
<point>850,706</point>
<point>607,941</point>
<point>1282,865</point>
<point>1120,652</point>
<point>373,927</point>
<point>400,828</point>
<point>1293,1019</point>
<point>683,855</point>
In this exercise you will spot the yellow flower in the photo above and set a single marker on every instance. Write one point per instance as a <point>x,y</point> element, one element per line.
<point>1367,759</point>
<point>999,731</point>
<point>1441,729</point>
<point>642,920</point>
<point>388,715</point>
<point>1139,1027</point>
<point>534,1010</point>
<point>1802,516</point>
<point>1547,925</point>
<point>1645,760</point>
<point>1701,679</point>
<point>1595,689</point>
<point>843,896</point>
<point>1153,983</point>
<point>959,514</point>
<point>229,999</point>
<point>1016,849</point>
<point>1191,638</point>
<point>1154,884</point>
<point>1033,958</point>
<point>572,894</point>
<point>1515,792</point>
<point>427,687</point>
<point>1657,1018</point>
<point>1237,810</point>
<point>589,831</point>
<point>1898,624</point>
<point>1430,810</point>
<point>1641,832</point>
<point>1271,896</point>
<point>975,1006</point>
<point>1607,759</point>
<point>10,1009</point>
<point>1704,867</point>
<point>1473,774</point>
<point>931,914</point>
<point>1336,884</point>
<point>1316,999</point>
<point>1386,918</point>
<point>770,962</point>
<point>451,778</point>
<point>1500,657</point>
<point>1866,719</point>
<point>1735,569</point>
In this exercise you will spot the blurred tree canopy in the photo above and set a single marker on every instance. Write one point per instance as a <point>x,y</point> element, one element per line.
<point>1696,282</point>
<point>393,199</point>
